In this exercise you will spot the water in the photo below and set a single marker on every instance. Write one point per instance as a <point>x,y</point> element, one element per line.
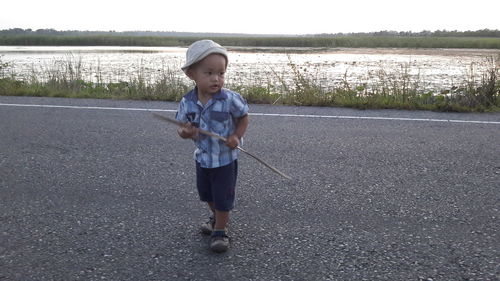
<point>433,69</point>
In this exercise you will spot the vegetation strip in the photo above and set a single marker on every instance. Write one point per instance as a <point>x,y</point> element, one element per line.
<point>390,91</point>
<point>480,39</point>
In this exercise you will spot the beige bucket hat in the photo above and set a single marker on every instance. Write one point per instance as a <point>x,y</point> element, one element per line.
<point>200,50</point>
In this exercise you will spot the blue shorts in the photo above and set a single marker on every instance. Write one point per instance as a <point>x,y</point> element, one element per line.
<point>217,185</point>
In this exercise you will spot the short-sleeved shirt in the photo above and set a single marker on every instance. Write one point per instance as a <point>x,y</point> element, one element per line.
<point>218,116</point>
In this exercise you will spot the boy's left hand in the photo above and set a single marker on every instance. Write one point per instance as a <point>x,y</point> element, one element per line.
<point>233,141</point>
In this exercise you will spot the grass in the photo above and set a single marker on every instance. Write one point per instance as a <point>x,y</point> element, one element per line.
<point>352,41</point>
<point>387,91</point>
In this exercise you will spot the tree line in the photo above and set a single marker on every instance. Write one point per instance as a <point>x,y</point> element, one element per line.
<point>383,39</point>
<point>491,33</point>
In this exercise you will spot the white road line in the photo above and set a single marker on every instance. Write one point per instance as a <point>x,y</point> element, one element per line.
<point>378,118</point>
<point>86,107</point>
<point>263,114</point>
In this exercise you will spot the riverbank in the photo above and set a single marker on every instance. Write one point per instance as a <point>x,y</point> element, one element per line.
<point>462,80</point>
<point>390,92</point>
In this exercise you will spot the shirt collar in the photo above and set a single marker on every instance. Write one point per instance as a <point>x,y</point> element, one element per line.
<point>192,95</point>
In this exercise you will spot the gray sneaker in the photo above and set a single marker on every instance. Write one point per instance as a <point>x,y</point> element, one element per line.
<point>219,242</point>
<point>207,227</point>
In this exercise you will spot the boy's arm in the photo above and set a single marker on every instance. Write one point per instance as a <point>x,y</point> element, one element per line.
<point>241,126</point>
<point>188,131</point>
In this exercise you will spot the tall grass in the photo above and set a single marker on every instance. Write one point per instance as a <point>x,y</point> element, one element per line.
<point>396,90</point>
<point>388,90</point>
<point>66,79</point>
<point>352,41</point>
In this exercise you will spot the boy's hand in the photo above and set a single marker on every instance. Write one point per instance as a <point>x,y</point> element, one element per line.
<point>233,141</point>
<point>241,125</point>
<point>188,131</point>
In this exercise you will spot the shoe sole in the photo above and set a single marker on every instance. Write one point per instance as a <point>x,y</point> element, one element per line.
<point>219,248</point>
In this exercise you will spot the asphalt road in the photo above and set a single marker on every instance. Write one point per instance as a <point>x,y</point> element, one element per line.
<point>107,194</point>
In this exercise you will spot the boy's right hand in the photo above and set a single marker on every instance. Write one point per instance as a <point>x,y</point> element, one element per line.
<point>188,131</point>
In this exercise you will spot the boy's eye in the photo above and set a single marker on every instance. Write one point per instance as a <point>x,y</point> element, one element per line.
<point>212,73</point>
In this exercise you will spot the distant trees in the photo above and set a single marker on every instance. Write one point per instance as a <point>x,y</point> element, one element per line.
<point>480,39</point>
<point>385,33</point>
<point>425,33</point>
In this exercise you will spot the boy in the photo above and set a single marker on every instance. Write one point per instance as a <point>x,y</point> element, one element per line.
<point>213,108</point>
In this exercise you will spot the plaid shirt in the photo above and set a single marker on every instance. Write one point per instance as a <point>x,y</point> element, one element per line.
<point>217,116</point>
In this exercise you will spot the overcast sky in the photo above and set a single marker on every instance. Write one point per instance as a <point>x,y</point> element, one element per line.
<point>252,16</point>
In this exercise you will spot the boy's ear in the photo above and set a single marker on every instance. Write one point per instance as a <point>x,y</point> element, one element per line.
<point>189,73</point>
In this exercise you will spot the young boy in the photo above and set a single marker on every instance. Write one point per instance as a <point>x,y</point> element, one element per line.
<point>213,108</point>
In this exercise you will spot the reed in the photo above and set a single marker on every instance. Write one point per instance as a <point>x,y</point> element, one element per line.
<point>348,41</point>
<point>396,90</point>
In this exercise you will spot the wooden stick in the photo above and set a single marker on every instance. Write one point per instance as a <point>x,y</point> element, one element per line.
<point>178,123</point>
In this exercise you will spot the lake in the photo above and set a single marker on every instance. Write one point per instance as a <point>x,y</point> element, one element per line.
<point>432,69</point>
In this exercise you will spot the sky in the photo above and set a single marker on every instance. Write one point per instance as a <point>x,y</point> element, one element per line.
<point>252,16</point>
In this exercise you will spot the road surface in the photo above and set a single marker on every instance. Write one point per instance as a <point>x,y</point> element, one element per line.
<point>100,190</point>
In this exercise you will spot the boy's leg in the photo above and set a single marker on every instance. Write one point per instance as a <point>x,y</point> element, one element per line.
<point>223,193</point>
<point>207,181</point>
<point>217,216</point>
<point>219,241</point>
<point>221,219</point>
<point>203,184</point>
<point>224,181</point>
<point>208,227</point>
<point>211,205</point>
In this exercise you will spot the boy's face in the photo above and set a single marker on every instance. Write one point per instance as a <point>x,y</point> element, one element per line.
<point>209,74</point>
